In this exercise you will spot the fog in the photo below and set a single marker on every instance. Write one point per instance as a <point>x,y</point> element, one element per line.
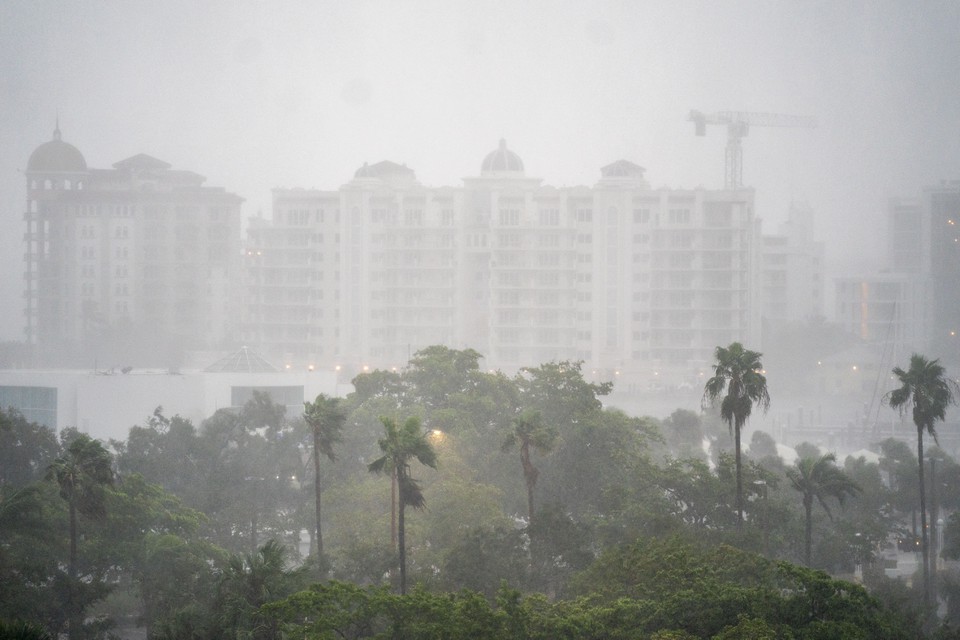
<point>255,95</point>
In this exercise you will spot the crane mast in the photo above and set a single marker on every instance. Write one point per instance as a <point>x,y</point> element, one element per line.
<point>738,126</point>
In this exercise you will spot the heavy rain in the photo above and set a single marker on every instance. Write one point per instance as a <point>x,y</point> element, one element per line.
<point>479,319</point>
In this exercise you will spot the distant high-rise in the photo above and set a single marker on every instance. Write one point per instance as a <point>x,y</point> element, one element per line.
<point>914,305</point>
<point>637,282</point>
<point>792,271</point>
<point>129,265</point>
<point>942,209</point>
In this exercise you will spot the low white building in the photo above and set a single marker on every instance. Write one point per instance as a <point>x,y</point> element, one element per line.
<point>106,404</point>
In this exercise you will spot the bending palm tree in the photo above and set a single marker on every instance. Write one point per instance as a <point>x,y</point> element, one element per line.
<point>81,473</point>
<point>926,388</point>
<point>325,419</point>
<point>250,581</point>
<point>530,430</point>
<point>819,478</point>
<point>737,371</point>
<point>399,446</point>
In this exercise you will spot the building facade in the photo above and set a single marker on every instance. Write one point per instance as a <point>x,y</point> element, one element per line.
<point>638,283</point>
<point>792,271</point>
<point>891,309</point>
<point>941,207</point>
<point>131,265</point>
<point>913,305</point>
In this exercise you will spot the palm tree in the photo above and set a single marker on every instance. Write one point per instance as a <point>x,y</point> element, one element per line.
<point>530,430</point>
<point>81,473</point>
<point>250,581</point>
<point>819,478</point>
<point>399,446</point>
<point>928,391</point>
<point>325,418</point>
<point>737,371</point>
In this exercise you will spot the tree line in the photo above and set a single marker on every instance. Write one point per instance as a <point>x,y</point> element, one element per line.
<point>526,493</point>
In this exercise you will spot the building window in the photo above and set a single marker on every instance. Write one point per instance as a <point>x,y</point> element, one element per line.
<point>509,217</point>
<point>549,217</point>
<point>549,241</point>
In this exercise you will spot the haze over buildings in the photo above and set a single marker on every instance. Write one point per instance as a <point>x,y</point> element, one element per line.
<point>257,96</point>
<point>140,264</point>
<point>605,233</point>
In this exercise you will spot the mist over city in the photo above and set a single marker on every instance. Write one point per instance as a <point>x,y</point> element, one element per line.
<point>586,285</point>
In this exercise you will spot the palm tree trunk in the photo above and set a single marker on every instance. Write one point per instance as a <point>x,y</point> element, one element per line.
<point>736,436</point>
<point>808,529</point>
<point>73,541</point>
<point>529,503</point>
<point>923,523</point>
<point>403,549</point>
<point>73,620</point>
<point>394,489</point>
<point>316,488</point>
<point>530,476</point>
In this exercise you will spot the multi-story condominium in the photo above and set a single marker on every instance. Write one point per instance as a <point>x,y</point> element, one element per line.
<point>291,280</point>
<point>635,282</point>
<point>136,262</point>
<point>942,208</point>
<point>792,271</point>
<point>890,308</point>
<point>915,304</point>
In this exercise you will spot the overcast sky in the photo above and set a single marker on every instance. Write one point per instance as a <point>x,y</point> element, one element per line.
<point>255,95</point>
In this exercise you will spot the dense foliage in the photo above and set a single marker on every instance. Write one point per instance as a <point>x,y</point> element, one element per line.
<point>548,515</point>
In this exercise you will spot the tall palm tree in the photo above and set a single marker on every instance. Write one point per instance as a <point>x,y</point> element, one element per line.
<point>81,472</point>
<point>399,446</point>
<point>529,430</point>
<point>325,418</point>
<point>738,372</point>
<point>818,479</point>
<point>925,388</point>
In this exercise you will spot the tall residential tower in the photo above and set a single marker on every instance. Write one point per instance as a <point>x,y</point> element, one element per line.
<point>126,266</point>
<point>638,283</point>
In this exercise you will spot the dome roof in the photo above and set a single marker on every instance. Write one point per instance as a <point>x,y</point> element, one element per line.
<point>383,169</point>
<point>501,160</point>
<point>622,169</point>
<point>243,361</point>
<point>56,156</point>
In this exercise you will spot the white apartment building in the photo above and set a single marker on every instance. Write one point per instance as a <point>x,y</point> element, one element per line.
<point>914,305</point>
<point>129,265</point>
<point>641,284</point>
<point>792,271</point>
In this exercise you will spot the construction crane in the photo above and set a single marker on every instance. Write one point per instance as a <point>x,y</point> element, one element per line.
<point>738,125</point>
